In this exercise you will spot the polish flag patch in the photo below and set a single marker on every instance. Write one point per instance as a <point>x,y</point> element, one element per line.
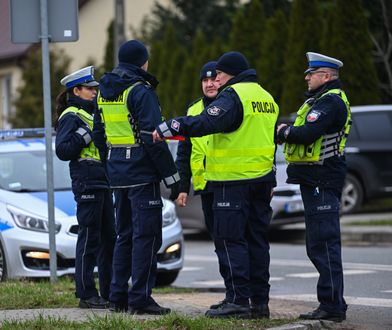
<point>175,125</point>
<point>313,116</point>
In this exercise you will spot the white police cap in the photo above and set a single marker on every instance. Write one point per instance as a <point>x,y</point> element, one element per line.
<point>317,60</point>
<point>82,77</point>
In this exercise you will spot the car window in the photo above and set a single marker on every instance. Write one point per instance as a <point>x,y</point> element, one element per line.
<point>26,171</point>
<point>373,126</point>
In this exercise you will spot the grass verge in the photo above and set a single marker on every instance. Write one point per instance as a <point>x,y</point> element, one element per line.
<point>123,321</point>
<point>386,222</point>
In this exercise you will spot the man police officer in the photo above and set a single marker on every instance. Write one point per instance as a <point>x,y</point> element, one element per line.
<point>130,111</point>
<point>191,153</point>
<point>240,169</point>
<point>314,150</point>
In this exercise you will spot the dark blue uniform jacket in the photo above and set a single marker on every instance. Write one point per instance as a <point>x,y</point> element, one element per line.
<point>223,115</point>
<point>150,162</point>
<point>69,144</point>
<point>332,117</point>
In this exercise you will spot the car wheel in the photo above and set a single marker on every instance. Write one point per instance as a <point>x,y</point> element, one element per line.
<point>352,195</point>
<point>3,265</point>
<point>166,278</point>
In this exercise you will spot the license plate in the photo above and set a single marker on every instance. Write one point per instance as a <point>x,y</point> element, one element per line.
<point>293,207</point>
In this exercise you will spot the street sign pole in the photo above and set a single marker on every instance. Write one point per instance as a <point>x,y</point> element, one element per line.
<point>48,137</point>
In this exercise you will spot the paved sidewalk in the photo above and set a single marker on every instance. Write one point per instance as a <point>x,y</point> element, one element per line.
<point>190,304</point>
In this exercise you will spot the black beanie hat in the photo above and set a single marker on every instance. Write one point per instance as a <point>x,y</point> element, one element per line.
<point>208,70</point>
<point>133,52</point>
<point>232,63</point>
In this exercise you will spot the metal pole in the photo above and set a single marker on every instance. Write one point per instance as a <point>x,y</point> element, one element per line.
<point>48,138</point>
<point>119,37</point>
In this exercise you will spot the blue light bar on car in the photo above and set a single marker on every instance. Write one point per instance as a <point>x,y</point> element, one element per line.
<point>9,134</point>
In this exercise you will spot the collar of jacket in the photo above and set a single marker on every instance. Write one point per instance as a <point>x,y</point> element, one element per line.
<point>323,88</point>
<point>131,69</point>
<point>76,101</point>
<point>245,76</point>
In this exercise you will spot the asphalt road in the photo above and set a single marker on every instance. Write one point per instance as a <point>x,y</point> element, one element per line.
<point>368,270</point>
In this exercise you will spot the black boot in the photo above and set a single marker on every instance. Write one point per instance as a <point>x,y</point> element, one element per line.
<point>260,311</point>
<point>152,309</point>
<point>319,314</point>
<point>219,304</point>
<point>94,302</point>
<point>230,310</point>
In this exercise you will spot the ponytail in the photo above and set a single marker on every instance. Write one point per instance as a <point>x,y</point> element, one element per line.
<point>61,103</point>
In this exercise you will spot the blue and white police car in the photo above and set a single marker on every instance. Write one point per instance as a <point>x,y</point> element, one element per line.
<point>24,237</point>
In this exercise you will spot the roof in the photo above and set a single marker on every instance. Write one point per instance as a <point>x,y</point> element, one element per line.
<point>8,50</point>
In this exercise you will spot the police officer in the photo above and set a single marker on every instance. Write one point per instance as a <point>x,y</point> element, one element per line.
<point>314,150</point>
<point>191,153</point>
<point>95,213</point>
<point>240,169</point>
<point>135,166</point>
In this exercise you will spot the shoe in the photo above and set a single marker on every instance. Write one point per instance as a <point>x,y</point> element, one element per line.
<point>152,309</point>
<point>230,310</point>
<point>118,308</point>
<point>218,304</point>
<point>94,302</point>
<point>319,314</point>
<point>259,311</point>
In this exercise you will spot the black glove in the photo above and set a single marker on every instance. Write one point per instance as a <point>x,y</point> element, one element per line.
<point>175,191</point>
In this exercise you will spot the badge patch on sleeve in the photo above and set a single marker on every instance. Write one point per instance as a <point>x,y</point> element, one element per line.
<point>313,116</point>
<point>175,125</point>
<point>214,111</point>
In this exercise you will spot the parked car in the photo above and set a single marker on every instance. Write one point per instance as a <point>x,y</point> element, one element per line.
<point>24,239</point>
<point>286,203</point>
<point>369,157</point>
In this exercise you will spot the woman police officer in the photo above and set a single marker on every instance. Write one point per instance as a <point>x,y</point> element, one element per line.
<point>74,142</point>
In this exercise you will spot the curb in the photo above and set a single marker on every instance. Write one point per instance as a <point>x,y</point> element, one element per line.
<point>367,234</point>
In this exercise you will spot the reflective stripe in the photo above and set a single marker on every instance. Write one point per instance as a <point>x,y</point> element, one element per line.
<point>165,130</point>
<point>266,165</point>
<point>240,152</point>
<point>90,159</point>
<point>172,179</point>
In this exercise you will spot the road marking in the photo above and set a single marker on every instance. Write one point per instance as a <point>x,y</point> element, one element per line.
<point>221,283</point>
<point>372,302</point>
<point>387,291</point>
<point>191,269</point>
<point>301,263</point>
<point>345,272</point>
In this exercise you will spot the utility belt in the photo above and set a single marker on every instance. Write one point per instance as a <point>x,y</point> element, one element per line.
<point>127,148</point>
<point>90,160</point>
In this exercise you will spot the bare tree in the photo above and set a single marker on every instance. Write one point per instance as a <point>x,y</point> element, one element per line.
<point>383,49</point>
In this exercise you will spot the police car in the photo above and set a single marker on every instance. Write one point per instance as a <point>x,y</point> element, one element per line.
<point>24,238</point>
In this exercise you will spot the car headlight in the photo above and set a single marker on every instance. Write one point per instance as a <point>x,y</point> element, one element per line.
<point>28,221</point>
<point>168,213</point>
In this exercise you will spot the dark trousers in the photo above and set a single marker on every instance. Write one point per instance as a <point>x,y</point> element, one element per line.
<point>95,243</point>
<point>242,214</point>
<point>139,237</point>
<point>323,244</point>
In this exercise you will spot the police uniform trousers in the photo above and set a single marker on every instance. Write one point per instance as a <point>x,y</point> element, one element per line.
<point>139,237</point>
<point>242,214</point>
<point>323,244</point>
<point>95,243</point>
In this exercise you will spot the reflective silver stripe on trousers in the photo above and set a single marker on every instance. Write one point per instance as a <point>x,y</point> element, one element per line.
<point>172,179</point>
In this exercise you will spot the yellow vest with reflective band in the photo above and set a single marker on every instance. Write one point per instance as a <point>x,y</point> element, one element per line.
<point>324,147</point>
<point>248,152</point>
<point>115,115</point>
<point>91,151</point>
<point>199,148</point>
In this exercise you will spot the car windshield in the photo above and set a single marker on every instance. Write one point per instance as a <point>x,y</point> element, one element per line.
<point>26,171</point>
